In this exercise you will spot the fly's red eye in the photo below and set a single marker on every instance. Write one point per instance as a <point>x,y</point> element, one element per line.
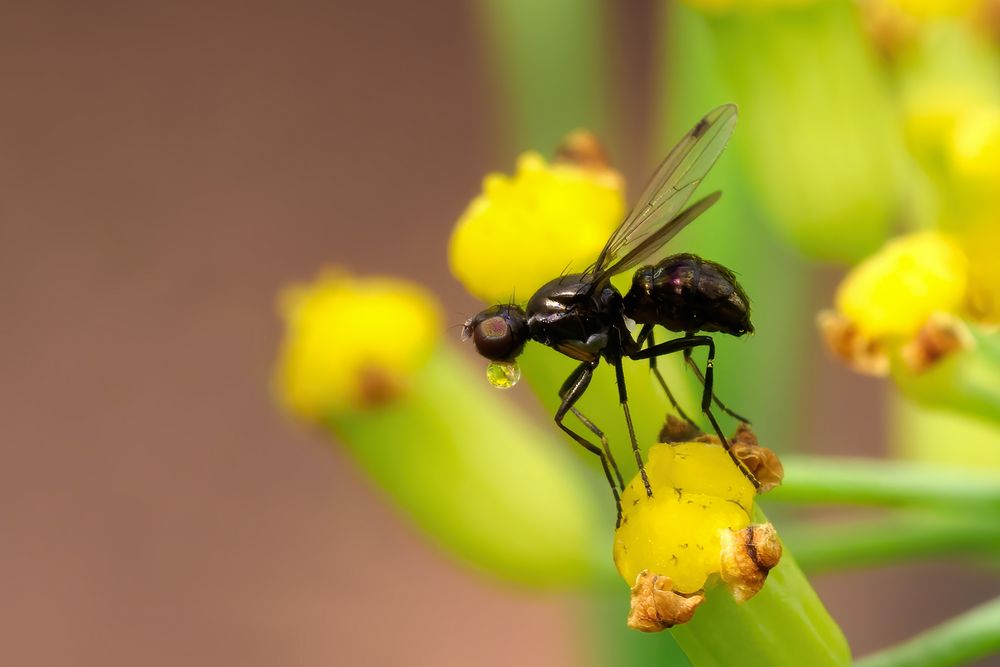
<point>493,338</point>
<point>499,332</point>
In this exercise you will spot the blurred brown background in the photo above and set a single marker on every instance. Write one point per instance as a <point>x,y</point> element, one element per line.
<point>164,170</point>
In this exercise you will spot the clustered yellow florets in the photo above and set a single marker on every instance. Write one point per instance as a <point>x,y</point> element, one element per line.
<point>694,529</point>
<point>902,303</point>
<point>895,291</point>
<point>351,343</point>
<point>547,219</point>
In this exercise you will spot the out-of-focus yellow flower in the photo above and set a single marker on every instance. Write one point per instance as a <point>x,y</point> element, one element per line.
<point>925,10</point>
<point>895,291</point>
<point>525,229</point>
<point>909,308</point>
<point>981,239</point>
<point>974,149</point>
<point>933,111</point>
<point>351,343</point>
<point>696,525</point>
<point>946,79</point>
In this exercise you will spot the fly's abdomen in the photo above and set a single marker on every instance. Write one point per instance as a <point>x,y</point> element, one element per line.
<point>687,294</point>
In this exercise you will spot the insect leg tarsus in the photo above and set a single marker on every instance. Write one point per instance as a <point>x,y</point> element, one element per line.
<point>574,387</point>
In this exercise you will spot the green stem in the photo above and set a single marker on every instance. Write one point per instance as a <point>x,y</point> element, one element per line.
<point>808,83</point>
<point>548,59</point>
<point>970,636</point>
<point>481,480</point>
<point>883,483</point>
<point>895,539</point>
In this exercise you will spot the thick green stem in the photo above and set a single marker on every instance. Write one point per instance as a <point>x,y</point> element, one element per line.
<point>892,540</point>
<point>824,147</point>
<point>970,636</point>
<point>548,57</point>
<point>481,480</point>
<point>883,483</point>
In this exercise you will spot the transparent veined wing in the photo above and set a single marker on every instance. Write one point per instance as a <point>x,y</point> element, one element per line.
<point>654,220</point>
<point>639,254</point>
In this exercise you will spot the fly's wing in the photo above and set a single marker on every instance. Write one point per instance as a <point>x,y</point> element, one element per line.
<point>655,219</point>
<point>640,253</point>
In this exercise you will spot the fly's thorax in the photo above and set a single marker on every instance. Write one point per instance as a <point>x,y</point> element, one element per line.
<point>686,293</point>
<point>572,315</point>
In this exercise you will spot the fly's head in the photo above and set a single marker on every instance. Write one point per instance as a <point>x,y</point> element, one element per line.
<point>499,334</point>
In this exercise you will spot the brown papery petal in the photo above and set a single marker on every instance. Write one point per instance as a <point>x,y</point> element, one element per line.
<point>747,557</point>
<point>656,606</point>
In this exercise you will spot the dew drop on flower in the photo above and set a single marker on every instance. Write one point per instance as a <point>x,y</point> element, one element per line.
<point>503,374</point>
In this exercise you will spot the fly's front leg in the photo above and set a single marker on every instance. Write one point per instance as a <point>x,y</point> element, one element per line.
<point>574,387</point>
<point>686,344</point>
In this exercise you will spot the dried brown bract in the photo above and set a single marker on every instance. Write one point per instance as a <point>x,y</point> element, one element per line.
<point>378,386</point>
<point>656,606</point>
<point>843,339</point>
<point>763,463</point>
<point>747,557</point>
<point>678,430</point>
<point>583,149</point>
<point>940,336</point>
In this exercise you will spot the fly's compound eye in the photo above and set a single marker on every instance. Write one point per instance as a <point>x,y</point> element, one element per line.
<point>498,332</point>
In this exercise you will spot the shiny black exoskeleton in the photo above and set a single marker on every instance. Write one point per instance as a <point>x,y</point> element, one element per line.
<point>585,317</point>
<point>686,293</point>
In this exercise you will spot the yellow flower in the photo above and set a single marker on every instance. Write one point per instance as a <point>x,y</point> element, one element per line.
<point>981,238</point>
<point>351,343</point>
<point>696,526</point>
<point>908,306</point>
<point>895,291</point>
<point>926,10</point>
<point>974,150</point>
<point>523,230</point>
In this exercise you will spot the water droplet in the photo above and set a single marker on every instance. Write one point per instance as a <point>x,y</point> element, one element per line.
<point>503,374</point>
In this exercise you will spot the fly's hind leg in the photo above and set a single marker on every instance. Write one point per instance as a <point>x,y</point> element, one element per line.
<point>685,344</point>
<point>704,383</point>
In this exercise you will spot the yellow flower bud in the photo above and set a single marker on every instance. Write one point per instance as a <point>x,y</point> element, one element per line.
<point>895,291</point>
<point>524,230</point>
<point>351,343</point>
<point>695,526</point>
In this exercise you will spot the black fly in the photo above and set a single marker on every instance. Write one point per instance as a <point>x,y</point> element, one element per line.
<point>584,316</point>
